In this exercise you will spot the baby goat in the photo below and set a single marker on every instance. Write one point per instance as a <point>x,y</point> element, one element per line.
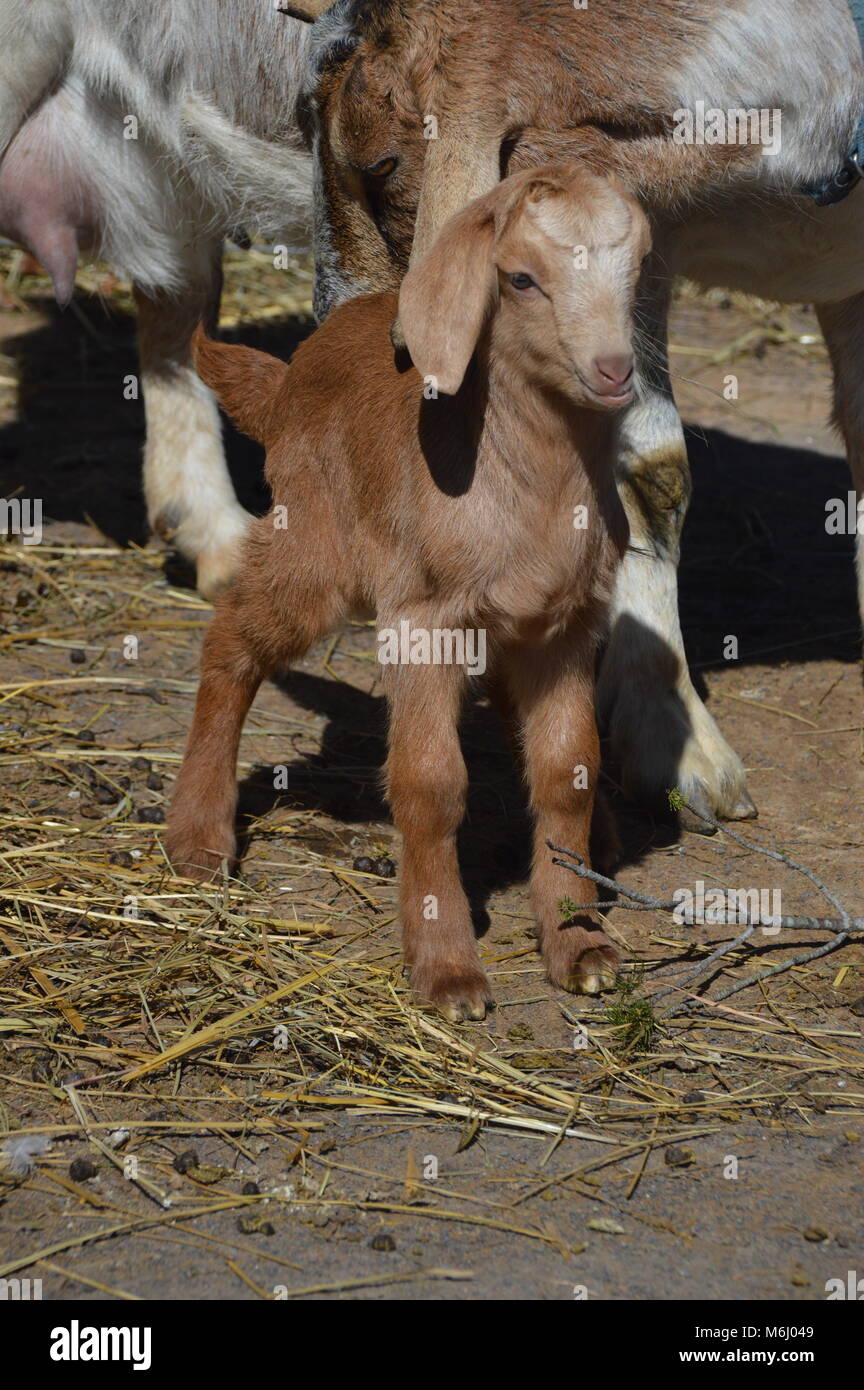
<point>491,507</point>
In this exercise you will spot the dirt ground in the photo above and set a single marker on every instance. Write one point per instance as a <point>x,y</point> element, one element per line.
<point>556,1151</point>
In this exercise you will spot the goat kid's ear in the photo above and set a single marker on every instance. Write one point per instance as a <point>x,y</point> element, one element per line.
<point>445,297</point>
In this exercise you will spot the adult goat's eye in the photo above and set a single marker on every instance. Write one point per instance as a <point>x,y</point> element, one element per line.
<point>520,281</point>
<point>383,167</point>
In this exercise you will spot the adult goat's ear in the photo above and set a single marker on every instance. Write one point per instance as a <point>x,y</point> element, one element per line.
<point>446,296</point>
<point>307,10</point>
<point>461,164</point>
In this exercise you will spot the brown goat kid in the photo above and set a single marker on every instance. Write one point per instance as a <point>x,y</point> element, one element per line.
<point>491,509</point>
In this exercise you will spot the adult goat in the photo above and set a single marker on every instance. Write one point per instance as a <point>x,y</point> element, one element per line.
<point>146,134</point>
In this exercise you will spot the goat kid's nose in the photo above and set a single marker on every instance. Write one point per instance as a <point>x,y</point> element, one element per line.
<point>613,372</point>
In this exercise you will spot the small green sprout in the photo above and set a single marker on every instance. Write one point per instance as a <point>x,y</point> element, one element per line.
<point>633,1014</point>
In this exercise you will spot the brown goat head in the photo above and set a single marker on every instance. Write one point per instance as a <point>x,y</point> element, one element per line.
<point>417,108</point>
<point>557,251</point>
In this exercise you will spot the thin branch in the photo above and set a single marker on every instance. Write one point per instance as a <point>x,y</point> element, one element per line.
<point>643,902</point>
<point>636,901</point>
<point>677,800</point>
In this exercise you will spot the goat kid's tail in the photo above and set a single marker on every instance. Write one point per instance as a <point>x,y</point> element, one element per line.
<point>243,380</point>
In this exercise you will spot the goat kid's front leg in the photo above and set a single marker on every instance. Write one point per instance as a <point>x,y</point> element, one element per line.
<point>427,785</point>
<point>553,690</point>
<point>190,497</point>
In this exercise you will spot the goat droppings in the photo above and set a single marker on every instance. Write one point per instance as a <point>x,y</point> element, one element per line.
<point>80,1169</point>
<point>188,1159</point>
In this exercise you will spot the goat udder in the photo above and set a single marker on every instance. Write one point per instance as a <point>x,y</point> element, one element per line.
<point>49,211</point>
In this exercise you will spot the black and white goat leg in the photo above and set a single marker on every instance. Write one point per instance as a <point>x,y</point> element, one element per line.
<point>660,731</point>
<point>190,497</point>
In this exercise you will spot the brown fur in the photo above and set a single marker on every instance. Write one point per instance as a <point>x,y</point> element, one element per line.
<point>452,513</point>
<point>507,83</point>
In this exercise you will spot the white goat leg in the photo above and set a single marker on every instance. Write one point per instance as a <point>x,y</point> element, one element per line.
<point>660,731</point>
<point>189,493</point>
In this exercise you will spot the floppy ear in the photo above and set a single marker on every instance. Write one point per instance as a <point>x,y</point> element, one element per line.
<point>445,297</point>
<point>462,164</point>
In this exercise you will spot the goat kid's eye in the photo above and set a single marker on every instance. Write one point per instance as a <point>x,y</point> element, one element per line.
<point>520,281</point>
<point>382,168</point>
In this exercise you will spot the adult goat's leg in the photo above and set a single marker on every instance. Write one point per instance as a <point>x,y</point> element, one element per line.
<point>190,496</point>
<point>660,731</point>
<point>427,785</point>
<point>843,326</point>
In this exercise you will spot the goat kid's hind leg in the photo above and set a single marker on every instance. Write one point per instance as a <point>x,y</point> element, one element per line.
<point>190,496</point>
<point>553,689</point>
<point>843,326</point>
<point>660,731</point>
<point>201,831</point>
<point>286,598</point>
<point>427,785</point>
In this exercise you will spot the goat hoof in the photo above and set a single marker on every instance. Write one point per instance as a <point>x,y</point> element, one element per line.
<point>459,995</point>
<point>738,806</point>
<point>192,857</point>
<point>467,1010</point>
<point>583,964</point>
<point>744,808</point>
<point>662,739</point>
<point>597,971</point>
